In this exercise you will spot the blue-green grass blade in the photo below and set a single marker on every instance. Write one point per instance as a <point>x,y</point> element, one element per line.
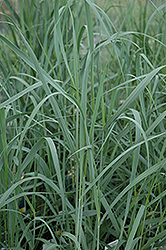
<point>72,237</point>
<point>154,239</point>
<point>133,96</point>
<point>129,244</point>
<point>141,177</point>
<point>22,93</point>
<point>3,146</point>
<point>110,214</point>
<point>56,163</point>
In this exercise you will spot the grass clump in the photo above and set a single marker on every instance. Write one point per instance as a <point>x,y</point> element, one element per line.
<point>82,125</point>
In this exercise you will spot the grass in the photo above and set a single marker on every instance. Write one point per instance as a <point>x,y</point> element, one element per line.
<point>82,125</point>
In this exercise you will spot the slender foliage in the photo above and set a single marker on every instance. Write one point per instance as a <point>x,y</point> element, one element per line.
<point>82,124</point>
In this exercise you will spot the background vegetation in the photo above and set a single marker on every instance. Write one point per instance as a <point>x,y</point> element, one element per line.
<point>82,124</point>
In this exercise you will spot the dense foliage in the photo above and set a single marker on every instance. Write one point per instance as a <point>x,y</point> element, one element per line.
<point>82,124</point>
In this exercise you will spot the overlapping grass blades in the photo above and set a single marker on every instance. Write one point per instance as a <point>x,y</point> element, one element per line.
<point>82,125</point>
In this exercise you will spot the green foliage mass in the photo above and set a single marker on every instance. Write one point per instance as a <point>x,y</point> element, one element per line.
<point>82,125</point>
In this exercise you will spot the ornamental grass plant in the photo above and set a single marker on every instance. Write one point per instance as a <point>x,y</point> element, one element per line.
<point>82,125</point>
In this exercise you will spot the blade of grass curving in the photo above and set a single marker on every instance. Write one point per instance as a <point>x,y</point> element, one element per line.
<point>72,237</point>
<point>84,148</point>
<point>48,181</point>
<point>142,131</point>
<point>56,188</point>
<point>108,25</point>
<point>22,93</point>
<point>118,158</point>
<point>44,76</point>
<point>50,230</point>
<point>141,177</point>
<point>48,78</point>
<point>81,32</point>
<point>133,96</point>
<point>145,174</point>
<point>52,100</point>
<point>26,194</point>
<point>157,11</point>
<point>34,112</point>
<point>56,166</point>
